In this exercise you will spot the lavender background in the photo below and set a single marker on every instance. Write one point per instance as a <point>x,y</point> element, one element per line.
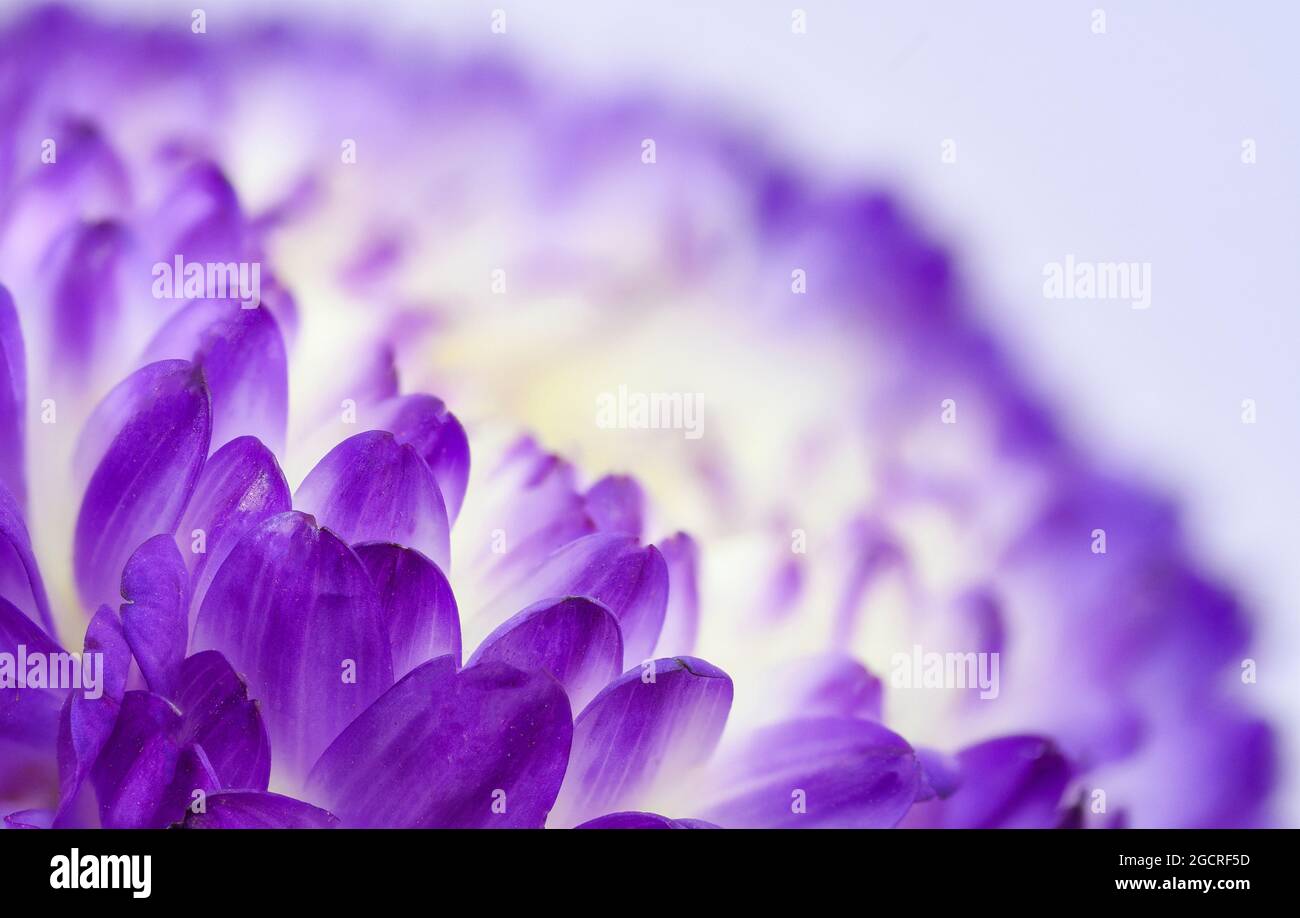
<point>1116,147</point>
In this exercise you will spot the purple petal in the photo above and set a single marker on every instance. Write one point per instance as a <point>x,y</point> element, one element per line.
<point>86,723</point>
<point>425,423</point>
<point>574,639</point>
<point>1012,782</point>
<point>826,685</point>
<point>30,819</point>
<point>616,504</point>
<point>219,716</point>
<point>200,219</point>
<point>416,602</point>
<point>258,810</point>
<point>86,295</point>
<point>682,614</point>
<point>193,778</point>
<point>635,820</point>
<point>820,773</point>
<point>370,488</point>
<point>20,578</point>
<point>940,775</point>
<point>630,580</point>
<point>141,485</point>
<point>642,731</point>
<point>240,486</point>
<point>13,402</point>
<point>136,765</point>
<point>155,616</point>
<point>483,747</point>
<point>243,358</point>
<point>294,610</point>
<point>29,718</point>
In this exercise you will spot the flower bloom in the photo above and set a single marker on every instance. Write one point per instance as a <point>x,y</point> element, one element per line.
<point>236,260</point>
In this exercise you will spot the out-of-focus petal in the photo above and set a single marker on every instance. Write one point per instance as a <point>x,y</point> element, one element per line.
<point>424,422</point>
<point>144,480</point>
<point>243,358</point>
<point>1013,782</point>
<point>135,768</point>
<point>576,640</point>
<point>20,578</point>
<point>631,581</point>
<point>29,718</point>
<point>682,614</point>
<point>155,616</point>
<point>644,729</point>
<point>294,610</point>
<point>483,747</point>
<point>243,809</point>
<point>616,504</point>
<point>219,716</point>
<point>370,488</point>
<point>86,297</point>
<point>635,820</point>
<point>30,819</point>
<point>13,402</point>
<point>417,604</point>
<point>818,773</point>
<point>240,486</point>
<point>940,775</point>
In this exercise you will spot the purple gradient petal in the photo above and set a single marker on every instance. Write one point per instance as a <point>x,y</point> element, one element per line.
<point>940,775</point>
<point>634,820</point>
<point>218,715</point>
<point>86,296</point>
<point>370,488</point>
<point>141,485</point>
<point>155,616</point>
<point>85,723</point>
<point>29,718</point>
<point>616,504</point>
<point>243,358</point>
<point>13,402</point>
<point>576,640</point>
<point>682,614</point>
<point>194,777</point>
<point>645,728</point>
<point>294,610</point>
<point>1014,782</point>
<point>241,485</point>
<point>424,422</point>
<point>818,773</point>
<point>20,578</point>
<point>485,747</point>
<point>416,602</point>
<point>258,810</point>
<point>30,819</point>
<point>134,769</point>
<point>614,570</point>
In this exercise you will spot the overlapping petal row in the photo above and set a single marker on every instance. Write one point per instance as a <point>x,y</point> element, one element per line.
<point>315,655</point>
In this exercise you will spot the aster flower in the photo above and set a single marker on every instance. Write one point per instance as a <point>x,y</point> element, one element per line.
<point>406,638</point>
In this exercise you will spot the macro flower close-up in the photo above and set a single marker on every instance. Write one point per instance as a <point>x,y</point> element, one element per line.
<point>402,435</point>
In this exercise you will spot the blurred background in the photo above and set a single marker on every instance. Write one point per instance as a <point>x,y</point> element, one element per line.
<point>1117,145</point>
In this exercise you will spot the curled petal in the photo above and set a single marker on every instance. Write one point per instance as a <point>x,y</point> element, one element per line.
<point>614,570</point>
<point>141,485</point>
<point>155,616</point>
<point>134,770</point>
<point>819,773</point>
<point>480,748</point>
<point>417,604</point>
<point>574,639</point>
<point>641,732</point>
<point>243,358</point>
<point>240,486</point>
<point>243,809</point>
<point>293,609</point>
<point>424,422</point>
<point>219,716</point>
<point>370,488</point>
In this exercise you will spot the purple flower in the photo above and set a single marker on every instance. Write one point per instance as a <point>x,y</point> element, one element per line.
<point>907,620</point>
